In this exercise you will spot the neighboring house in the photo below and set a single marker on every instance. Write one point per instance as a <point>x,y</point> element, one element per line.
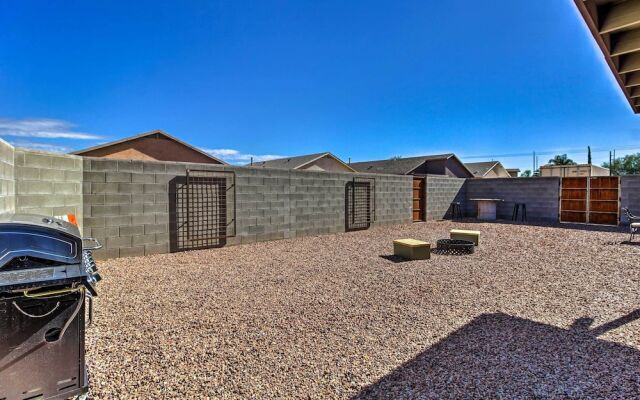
<point>419,167</point>
<point>514,172</point>
<point>155,145</point>
<point>311,162</point>
<point>573,170</point>
<point>442,164</point>
<point>488,169</point>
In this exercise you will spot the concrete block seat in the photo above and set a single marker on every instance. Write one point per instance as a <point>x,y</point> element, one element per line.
<point>412,249</point>
<point>461,234</point>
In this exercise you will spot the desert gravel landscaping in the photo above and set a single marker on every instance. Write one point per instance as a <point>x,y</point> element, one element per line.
<point>536,312</point>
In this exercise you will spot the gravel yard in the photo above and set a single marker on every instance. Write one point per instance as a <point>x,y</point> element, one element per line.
<point>536,312</point>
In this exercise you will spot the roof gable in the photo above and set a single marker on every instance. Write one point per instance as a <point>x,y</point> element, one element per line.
<point>480,169</point>
<point>404,166</point>
<point>397,166</point>
<point>156,132</point>
<point>297,162</point>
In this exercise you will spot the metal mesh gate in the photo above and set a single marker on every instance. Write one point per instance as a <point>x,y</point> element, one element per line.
<point>359,203</point>
<point>205,210</point>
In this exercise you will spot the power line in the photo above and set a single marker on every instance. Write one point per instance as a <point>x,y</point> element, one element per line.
<point>552,152</point>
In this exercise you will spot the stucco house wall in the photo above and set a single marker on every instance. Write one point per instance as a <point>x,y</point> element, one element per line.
<point>328,164</point>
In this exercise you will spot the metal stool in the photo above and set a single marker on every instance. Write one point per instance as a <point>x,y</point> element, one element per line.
<point>455,210</point>
<point>516,208</point>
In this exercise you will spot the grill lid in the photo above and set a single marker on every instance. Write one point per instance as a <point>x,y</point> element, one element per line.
<point>28,235</point>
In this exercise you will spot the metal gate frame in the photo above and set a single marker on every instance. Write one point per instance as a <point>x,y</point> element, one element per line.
<point>195,206</point>
<point>588,200</point>
<point>359,216</point>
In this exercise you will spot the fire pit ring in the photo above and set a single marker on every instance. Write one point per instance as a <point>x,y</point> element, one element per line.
<point>455,247</point>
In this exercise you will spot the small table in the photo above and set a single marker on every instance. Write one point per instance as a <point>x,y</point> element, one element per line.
<point>487,208</point>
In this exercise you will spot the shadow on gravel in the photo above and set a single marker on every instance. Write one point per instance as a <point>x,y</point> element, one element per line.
<point>565,225</point>
<point>501,356</point>
<point>395,259</point>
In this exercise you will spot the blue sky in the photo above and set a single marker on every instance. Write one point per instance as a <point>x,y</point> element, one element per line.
<point>362,79</point>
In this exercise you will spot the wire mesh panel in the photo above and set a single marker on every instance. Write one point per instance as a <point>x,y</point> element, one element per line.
<point>359,203</point>
<point>205,210</point>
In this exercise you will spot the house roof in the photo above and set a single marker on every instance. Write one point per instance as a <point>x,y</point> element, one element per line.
<point>297,162</point>
<point>156,132</point>
<point>615,26</point>
<point>401,166</point>
<point>480,169</point>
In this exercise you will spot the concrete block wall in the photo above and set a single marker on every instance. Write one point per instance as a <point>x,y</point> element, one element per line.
<point>630,195</point>
<point>48,184</point>
<point>541,195</point>
<point>441,192</point>
<point>127,203</point>
<point>7,178</point>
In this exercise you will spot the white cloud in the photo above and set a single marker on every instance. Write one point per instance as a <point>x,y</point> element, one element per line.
<point>236,157</point>
<point>42,128</point>
<point>51,148</point>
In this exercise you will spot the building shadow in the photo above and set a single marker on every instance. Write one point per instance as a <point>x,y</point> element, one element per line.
<point>502,356</point>
<point>551,224</point>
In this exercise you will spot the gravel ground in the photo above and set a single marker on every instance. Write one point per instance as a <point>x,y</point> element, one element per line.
<point>536,312</point>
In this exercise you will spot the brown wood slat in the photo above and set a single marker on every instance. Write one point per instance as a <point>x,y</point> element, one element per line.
<point>604,194</point>
<point>603,206</point>
<point>574,194</point>
<point>603,219</point>
<point>573,216</point>
<point>574,205</point>
<point>604,182</point>
<point>575,183</point>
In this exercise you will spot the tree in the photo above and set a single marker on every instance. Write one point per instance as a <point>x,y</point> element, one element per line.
<point>526,173</point>
<point>627,165</point>
<point>561,159</point>
<point>589,155</point>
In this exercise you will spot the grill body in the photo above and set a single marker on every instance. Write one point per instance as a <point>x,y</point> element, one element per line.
<point>46,282</point>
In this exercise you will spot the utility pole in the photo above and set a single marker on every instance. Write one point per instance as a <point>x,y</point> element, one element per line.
<point>534,163</point>
<point>589,155</point>
<point>610,165</point>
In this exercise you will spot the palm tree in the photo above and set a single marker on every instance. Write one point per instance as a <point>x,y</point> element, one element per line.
<point>561,160</point>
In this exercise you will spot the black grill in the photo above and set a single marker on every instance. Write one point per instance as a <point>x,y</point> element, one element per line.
<point>47,280</point>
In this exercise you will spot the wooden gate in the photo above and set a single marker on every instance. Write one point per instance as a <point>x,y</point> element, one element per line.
<point>604,200</point>
<point>419,199</point>
<point>591,200</point>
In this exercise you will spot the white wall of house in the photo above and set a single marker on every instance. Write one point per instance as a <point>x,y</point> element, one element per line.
<point>498,171</point>
<point>328,164</point>
<point>573,170</point>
